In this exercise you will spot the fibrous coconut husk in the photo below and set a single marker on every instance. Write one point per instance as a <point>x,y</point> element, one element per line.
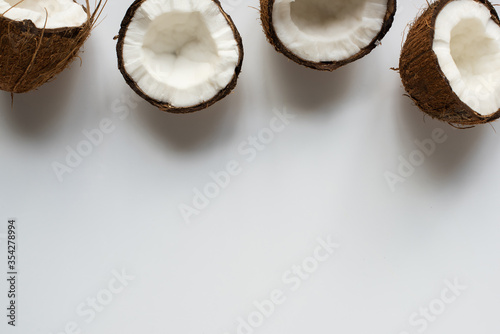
<point>423,78</point>
<point>31,56</point>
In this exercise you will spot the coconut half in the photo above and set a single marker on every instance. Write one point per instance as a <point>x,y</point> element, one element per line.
<point>326,34</point>
<point>181,56</point>
<point>39,39</point>
<point>450,62</point>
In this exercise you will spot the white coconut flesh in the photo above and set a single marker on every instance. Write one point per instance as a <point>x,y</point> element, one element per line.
<point>467,46</point>
<point>328,30</point>
<point>51,14</point>
<point>180,52</point>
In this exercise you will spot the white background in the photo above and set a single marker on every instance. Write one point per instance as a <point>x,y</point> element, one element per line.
<point>323,175</point>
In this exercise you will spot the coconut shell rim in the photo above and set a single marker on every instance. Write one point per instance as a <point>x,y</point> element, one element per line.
<point>494,15</point>
<point>45,51</point>
<point>31,27</point>
<point>267,20</point>
<point>436,8</point>
<point>165,106</point>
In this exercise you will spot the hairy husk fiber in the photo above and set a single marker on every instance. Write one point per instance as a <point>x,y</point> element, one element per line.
<point>30,56</point>
<point>164,106</point>
<point>266,14</point>
<point>423,79</point>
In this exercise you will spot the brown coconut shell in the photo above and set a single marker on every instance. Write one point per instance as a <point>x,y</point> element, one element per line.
<point>31,56</point>
<point>266,14</point>
<point>164,106</point>
<point>423,78</point>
